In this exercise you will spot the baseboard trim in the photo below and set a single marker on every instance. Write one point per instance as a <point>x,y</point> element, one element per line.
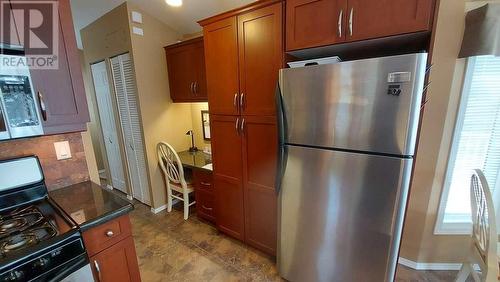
<point>158,209</point>
<point>429,266</point>
<point>164,207</point>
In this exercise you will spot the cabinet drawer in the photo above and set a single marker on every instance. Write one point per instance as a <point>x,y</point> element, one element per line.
<point>106,234</point>
<point>205,205</point>
<point>203,180</point>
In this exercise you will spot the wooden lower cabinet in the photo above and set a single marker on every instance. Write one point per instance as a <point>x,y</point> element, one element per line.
<point>244,156</point>
<point>112,251</point>
<point>260,149</point>
<point>116,263</point>
<point>227,160</point>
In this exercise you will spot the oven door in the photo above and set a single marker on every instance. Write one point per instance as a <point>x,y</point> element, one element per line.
<point>77,270</point>
<point>82,274</point>
<point>4,132</point>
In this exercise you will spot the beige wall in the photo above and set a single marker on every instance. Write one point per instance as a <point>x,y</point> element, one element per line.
<point>419,242</point>
<point>106,37</point>
<point>93,126</point>
<point>162,120</point>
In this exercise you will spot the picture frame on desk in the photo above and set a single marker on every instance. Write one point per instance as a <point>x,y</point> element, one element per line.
<point>205,124</point>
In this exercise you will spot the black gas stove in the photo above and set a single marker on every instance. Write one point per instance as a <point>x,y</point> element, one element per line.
<point>38,241</point>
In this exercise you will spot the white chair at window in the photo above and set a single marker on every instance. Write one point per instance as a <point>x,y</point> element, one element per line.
<point>173,173</point>
<point>483,249</point>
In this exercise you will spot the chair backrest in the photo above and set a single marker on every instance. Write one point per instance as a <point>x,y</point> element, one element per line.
<point>484,231</point>
<point>170,163</point>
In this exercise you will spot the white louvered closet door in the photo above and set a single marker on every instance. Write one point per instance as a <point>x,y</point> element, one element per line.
<point>124,82</point>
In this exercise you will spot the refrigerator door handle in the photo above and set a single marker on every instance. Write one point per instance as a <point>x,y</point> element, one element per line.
<point>282,152</point>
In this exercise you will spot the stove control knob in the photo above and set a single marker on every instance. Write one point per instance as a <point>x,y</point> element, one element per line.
<point>41,263</point>
<point>14,275</point>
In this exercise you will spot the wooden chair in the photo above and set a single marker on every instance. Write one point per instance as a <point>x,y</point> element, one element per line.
<point>483,250</point>
<point>173,173</point>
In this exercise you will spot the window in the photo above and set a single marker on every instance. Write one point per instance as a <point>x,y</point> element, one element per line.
<point>476,143</point>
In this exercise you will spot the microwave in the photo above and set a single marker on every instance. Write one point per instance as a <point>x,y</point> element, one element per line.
<point>19,108</point>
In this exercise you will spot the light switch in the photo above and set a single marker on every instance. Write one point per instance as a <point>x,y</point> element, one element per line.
<point>63,151</point>
<point>136,17</point>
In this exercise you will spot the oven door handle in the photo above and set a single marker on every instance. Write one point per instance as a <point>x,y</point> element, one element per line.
<point>41,104</point>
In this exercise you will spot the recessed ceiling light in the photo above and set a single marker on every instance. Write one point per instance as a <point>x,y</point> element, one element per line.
<point>174,3</point>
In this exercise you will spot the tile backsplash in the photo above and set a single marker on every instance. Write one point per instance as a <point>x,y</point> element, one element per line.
<point>58,174</point>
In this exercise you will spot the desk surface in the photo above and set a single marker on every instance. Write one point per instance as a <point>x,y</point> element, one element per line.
<point>196,159</point>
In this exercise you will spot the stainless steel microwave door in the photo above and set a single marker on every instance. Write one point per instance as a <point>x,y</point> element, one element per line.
<point>4,133</point>
<point>341,215</point>
<point>367,105</point>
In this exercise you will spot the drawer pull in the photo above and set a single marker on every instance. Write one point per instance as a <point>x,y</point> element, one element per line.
<point>110,233</point>
<point>205,183</point>
<point>207,208</point>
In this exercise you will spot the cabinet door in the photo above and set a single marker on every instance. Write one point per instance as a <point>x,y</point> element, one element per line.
<point>373,19</point>
<point>312,23</point>
<point>181,72</point>
<point>61,90</point>
<point>200,87</point>
<point>9,33</point>
<point>260,148</point>
<point>227,164</point>
<point>221,61</point>
<point>260,58</point>
<point>116,263</point>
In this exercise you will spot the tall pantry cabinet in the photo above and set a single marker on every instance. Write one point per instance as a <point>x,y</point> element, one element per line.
<point>243,54</point>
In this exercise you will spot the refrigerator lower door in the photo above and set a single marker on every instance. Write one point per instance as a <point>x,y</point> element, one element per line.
<point>341,215</point>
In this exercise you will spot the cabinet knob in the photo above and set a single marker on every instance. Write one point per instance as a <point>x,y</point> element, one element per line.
<point>110,233</point>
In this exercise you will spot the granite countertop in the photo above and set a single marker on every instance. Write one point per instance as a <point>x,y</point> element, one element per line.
<point>197,159</point>
<point>89,204</point>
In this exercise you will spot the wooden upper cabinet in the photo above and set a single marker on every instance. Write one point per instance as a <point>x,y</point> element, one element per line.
<point>60,91</point>
<point>260,46</point>
<point>221,61</point>
<point>260,149</point>
<point>186,71</point>
<point>314,23</point>
<point>311,23</point>
<point>374,19</point>
<point>227,174</point>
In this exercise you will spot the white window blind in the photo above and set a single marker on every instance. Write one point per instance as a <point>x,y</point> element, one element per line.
<point>476,142</point>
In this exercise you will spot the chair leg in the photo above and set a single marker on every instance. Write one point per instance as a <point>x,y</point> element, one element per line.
<point>186,205</point>
<point>169,200</point>
<point>464,272</point>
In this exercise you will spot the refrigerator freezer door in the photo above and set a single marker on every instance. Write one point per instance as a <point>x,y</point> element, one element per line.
<point>341,215</point>
<point>367,105</point>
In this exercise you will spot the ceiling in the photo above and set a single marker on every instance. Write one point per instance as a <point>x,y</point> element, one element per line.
<point>181,19</point>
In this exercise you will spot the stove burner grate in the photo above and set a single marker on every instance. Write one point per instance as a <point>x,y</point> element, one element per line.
<point>27,238</point>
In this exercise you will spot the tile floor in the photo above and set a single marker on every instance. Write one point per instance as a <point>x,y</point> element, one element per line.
<point>171,249</point>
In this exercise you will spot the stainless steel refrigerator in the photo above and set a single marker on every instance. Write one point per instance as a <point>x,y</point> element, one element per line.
<point>347,139</point>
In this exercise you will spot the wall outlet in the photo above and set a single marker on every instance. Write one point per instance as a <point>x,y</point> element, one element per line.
<point>63,151</point>
<point>138,31</point>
